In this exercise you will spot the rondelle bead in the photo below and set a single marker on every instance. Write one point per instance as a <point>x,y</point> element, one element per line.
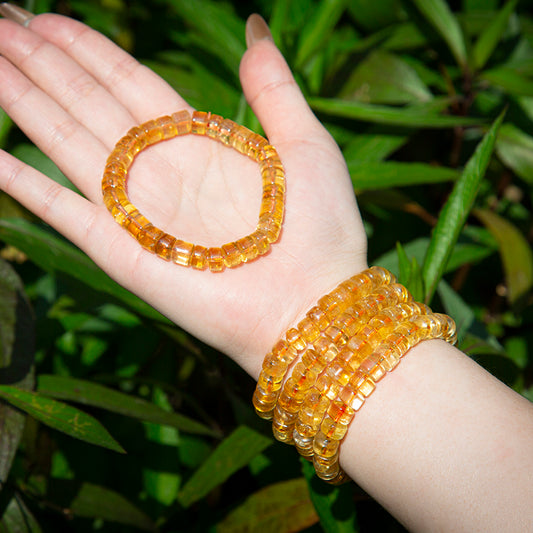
<point>149,236</point>
<point>199,122</point>
<point>183,122</point>
<point>181,252</point>
<point>163,247</point>
<point>199,257</point>
<point>215,259</point>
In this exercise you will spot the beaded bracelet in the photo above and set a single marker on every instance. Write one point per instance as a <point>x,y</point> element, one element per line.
<point>168,247</point>
<point>346,344</point>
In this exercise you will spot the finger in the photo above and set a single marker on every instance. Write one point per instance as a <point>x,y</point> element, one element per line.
<point>62,78</point>
<point>272,92</point>
<point>139,89</point>
<point>86,225</point>
<point>74,149</point>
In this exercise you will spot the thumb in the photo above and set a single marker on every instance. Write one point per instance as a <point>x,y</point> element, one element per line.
<point>271,90</point>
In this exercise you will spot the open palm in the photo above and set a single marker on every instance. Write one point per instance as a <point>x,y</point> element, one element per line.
<point>75,94</point>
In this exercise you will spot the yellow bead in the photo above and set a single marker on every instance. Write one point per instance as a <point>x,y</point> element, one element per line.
<point>199,122</point>
<point>183,122</point>
<point>215,259</point>
<point>149,236</point>
<point>163,247</point>
<point>199,257</point>
<point>232,255</point>
<point>181,252</point>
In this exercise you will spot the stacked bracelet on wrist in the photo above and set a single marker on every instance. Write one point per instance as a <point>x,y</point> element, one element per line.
<point>345,345</point>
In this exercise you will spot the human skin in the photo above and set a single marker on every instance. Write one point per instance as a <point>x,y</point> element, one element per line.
<point>441,443</point>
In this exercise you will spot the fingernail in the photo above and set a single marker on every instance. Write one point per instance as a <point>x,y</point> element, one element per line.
<point>16,14</point>
<point>257,29</point>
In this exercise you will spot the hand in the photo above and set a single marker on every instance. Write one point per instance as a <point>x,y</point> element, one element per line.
<point>74,93</point>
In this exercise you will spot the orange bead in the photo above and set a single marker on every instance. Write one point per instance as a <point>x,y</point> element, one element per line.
<point>215,259</point>
<point>183,122</point>
<point>199,122</point>
<point>181,252</point>
<point>199,257</point>
<point>149,236</point>
<point>232,255</point>
<point>163,247</point>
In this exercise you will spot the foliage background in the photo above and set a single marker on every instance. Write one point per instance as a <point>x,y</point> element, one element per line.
<point>409,89</point>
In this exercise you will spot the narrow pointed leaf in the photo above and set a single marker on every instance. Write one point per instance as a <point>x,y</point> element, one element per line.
<point>439,15</point>
<point>456,307</point>
<point>515,251</point>
<point>515,149</point>
<point>54,254</point>
<point>232,454</point>
<point>456,210</point>
<point>96,395</point>
<point>269,508</point>
<point>410,116</point>
<point>383,175</point>
<point>509,79</point>
<point>60,416</point>
<point>316,30</point>
<point>491,35</point>
<point>373,146</point>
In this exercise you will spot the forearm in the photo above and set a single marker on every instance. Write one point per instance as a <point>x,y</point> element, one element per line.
<point>444,446</point>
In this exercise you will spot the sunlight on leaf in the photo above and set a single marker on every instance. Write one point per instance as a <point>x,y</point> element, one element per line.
<point>60,416</point>
<point>268,509</point>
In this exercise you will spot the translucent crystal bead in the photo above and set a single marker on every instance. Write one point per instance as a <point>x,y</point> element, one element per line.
<point>163,247</point>
<point>181,252</point>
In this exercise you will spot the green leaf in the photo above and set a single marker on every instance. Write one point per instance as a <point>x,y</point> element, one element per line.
<point>509,79</point>
<point>456,210</point>
<point>268,510</point>
<point>31,155</point>
<point>334,505</point>
<point>96,395</point>
<point>372,146</point>
<point>5,127</point>
<point>60,416</point>
<point>385,78</point>
<point>383,175</point>
<point>16,360</point>
<point>317,29</point>
<point>516,254</point>
<point>457,308</point>
<point>232,454</point>
<point>491,36</point>
<point>54,254</point>
<point>375,15</point>
<point>410,273</point>
<point>409,116</point>
<point>515,149</point>
<point>439,15</point>
<point>215,28</point>
<point>190,77</point>
<point>17,518</point>
<point>464,252</point>
<point>89,500</point>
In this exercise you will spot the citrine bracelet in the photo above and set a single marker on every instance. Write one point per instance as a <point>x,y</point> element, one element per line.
<point>335,356</point>
<point>163,244</point>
